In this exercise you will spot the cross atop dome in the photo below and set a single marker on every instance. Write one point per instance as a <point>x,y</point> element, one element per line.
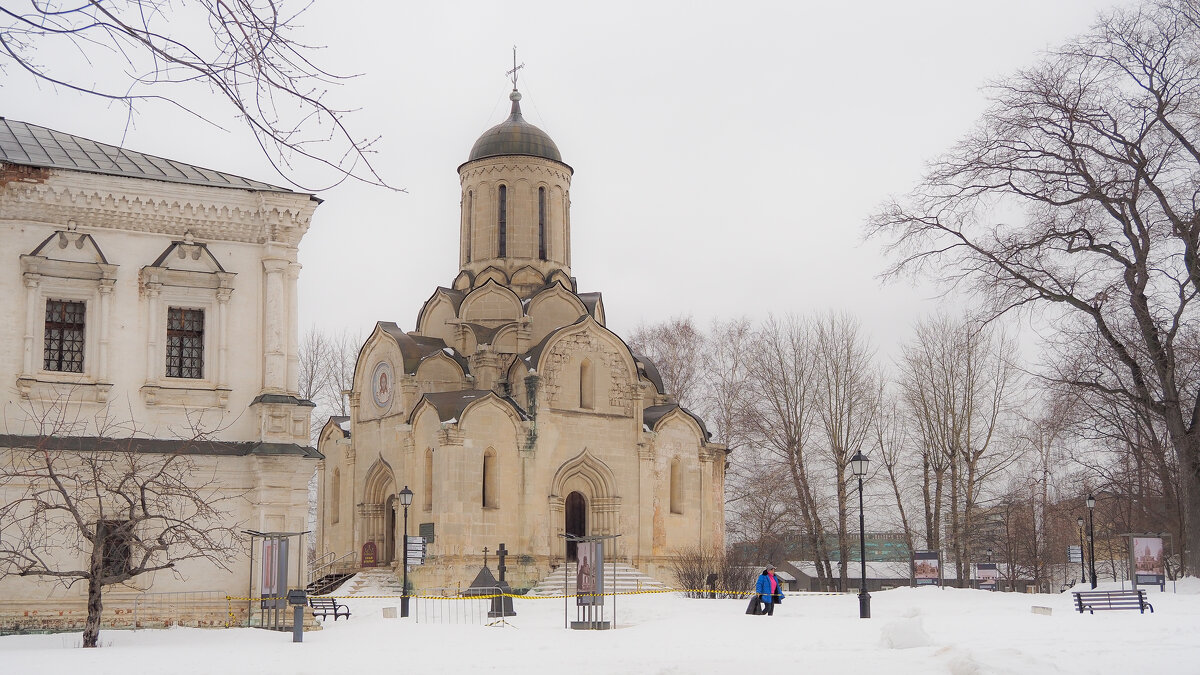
<point>513,73</point>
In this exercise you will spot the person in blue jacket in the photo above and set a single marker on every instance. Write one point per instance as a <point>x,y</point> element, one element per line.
<point>769,590</point>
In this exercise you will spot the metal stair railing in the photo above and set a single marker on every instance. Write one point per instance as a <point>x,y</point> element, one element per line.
<point>348,561</point>
<point>318,563</point>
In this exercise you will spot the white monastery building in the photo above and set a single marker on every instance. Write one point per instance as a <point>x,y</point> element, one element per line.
<point>161,295</point>
<point>511,412</point>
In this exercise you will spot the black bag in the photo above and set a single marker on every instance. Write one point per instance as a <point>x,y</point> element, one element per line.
<point>755,606</point>
<point>777,598</point>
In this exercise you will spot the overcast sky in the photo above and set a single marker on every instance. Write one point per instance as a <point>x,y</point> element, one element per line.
<point>725,155</point>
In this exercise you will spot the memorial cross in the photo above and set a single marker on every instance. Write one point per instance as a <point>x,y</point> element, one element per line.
<point>501,553</point>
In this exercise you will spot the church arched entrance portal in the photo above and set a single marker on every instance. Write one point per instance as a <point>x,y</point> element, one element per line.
<point>389,530</point>
<point>576,515</point>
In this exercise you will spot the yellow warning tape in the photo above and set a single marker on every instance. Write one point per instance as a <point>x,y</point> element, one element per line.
<point>534,597</point>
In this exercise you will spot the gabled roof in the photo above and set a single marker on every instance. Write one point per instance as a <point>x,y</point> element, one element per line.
<point>650,372</point>
<point>416,348</point>
<point>654,413</point>
<point>451,404</point>
<point>590,300</point>
<point>31,145</point>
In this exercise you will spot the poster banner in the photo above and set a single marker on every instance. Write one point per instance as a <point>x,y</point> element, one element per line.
<point>989,576</point>
<point>589,579</point>
<point>274,572</point>
<point>927,568</point>
<point>1148,568</point>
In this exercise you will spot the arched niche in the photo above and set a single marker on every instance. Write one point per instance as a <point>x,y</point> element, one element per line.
<point>440,373</point>
<point>551,309</point>
<point>492,275</point>
<point>613,369</point>
<point>528,276</point>
<point>490,304</point>
<point>436,318</point>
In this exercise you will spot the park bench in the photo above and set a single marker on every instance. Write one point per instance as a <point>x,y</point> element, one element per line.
<point>323,607</point>
<point>1101,600</point>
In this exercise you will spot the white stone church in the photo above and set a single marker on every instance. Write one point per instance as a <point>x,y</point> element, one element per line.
<point>510,410</point>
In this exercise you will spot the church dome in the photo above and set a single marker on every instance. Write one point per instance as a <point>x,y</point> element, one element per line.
<point>515,136</point>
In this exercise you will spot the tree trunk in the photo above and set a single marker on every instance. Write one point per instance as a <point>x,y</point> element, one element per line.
<point>1187,447</point>
<point>843,533</point>
<point>1189,467</point>
<point>91,629</point>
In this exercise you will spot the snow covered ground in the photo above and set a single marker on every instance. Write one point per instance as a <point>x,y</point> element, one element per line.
<point>913,631</point>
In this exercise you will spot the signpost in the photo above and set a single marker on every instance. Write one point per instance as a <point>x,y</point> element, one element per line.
<point>416,550</point>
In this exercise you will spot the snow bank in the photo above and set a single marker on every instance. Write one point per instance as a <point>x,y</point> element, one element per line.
<point>912,632</point>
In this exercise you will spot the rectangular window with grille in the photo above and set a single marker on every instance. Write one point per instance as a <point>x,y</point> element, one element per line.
<point>185,343</point>
<point>63,346</point>
<point>115,540</point>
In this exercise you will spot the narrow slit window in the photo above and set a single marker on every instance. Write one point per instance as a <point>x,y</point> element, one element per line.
<point>62,349</point>
<point>470,222</point>
<point>335,497</point>
<point>541,223</point>
<point>587,385</point>
<point>676,487</point>
<point>185,343</point>
<point>489,479</point>
<point>502,223</point>
<point>428,480</point>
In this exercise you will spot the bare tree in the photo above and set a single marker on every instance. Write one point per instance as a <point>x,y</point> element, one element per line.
<point>890,441</point>
<point>249,57</point>
<point>675,346</point>
<point>958,386</point>
<point>782,414</point>
<point>725,363</point>
<point>846,400</point>
<point>103,510</point>
<point>343,357</point>
<point>1077,195</point>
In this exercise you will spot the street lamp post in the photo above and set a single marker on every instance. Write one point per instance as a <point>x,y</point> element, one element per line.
<point>1082,569</point>
<point>405,499</point>
<point>858,466</point>
<point>1091,504</point>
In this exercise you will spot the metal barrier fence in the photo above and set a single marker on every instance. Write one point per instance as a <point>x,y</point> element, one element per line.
<point>180,608</point>
<point>476,606</point>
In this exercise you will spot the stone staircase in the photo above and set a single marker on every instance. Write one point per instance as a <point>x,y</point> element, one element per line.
<point>627,579</point>
<point>374,581</point>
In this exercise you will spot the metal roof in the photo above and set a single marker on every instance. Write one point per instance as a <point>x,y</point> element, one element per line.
<point>31,145</point>
<point>515,136</point>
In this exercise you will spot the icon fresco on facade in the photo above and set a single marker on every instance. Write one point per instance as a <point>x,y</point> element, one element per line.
<point>382,384</point>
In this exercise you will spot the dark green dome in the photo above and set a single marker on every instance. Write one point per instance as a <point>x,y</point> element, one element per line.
<point>515,136</point>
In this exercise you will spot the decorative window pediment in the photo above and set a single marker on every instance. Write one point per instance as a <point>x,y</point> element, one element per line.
<point>66,271</point>
<point>189,265</point>
<point>187,280</point>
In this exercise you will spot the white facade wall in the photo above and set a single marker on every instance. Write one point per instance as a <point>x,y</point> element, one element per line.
<point>230,252</point>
